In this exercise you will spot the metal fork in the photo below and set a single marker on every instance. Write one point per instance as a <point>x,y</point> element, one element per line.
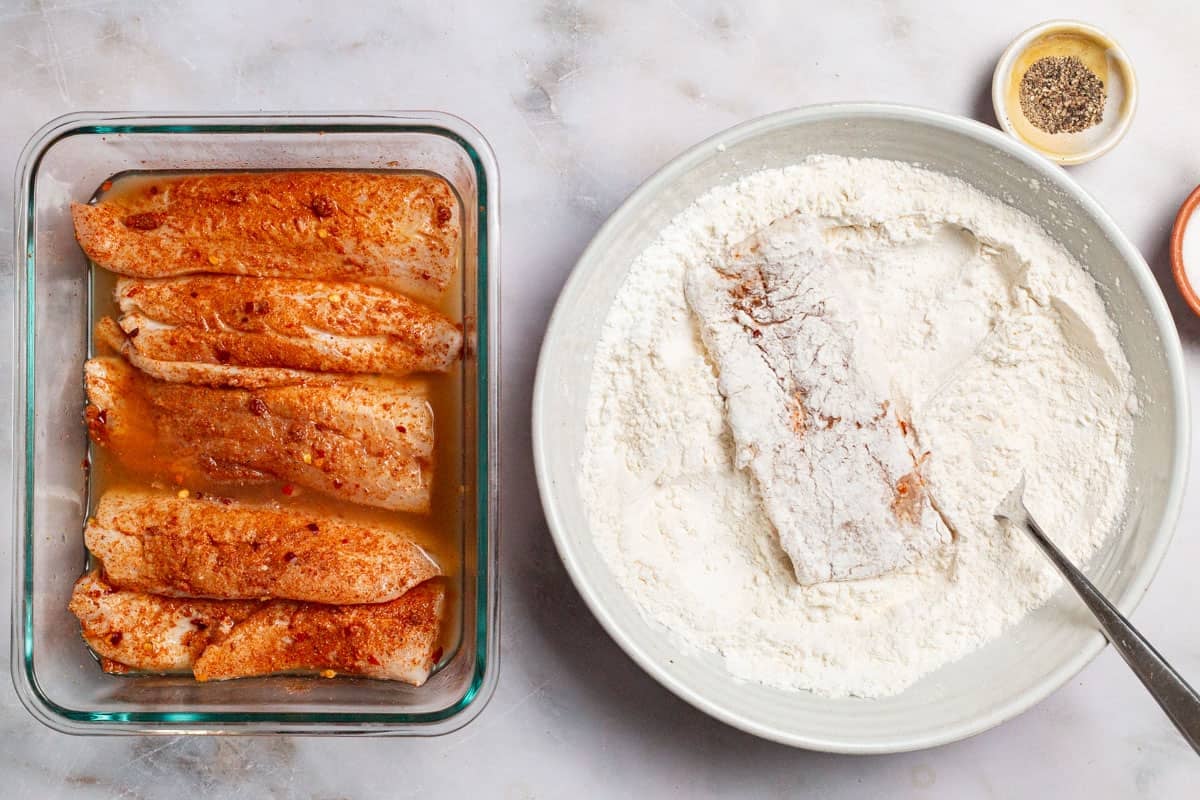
<point>1171,691</point>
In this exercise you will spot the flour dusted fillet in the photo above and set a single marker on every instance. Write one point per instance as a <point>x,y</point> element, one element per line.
<point>250,330</point>
<point>399,231</point>
<point>193,547</point>
<point>369,443</point>
<point>830,457</point>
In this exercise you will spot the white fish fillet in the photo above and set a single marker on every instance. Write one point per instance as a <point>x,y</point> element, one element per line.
<point>286,328</point>
<point>192,547</point>
<point>401,231</point>
<point>223,639</point>
<point>132,630</point>
<point>834,467</point>
<point>370,443</point>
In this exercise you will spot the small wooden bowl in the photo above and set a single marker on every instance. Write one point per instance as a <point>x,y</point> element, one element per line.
<point>1178,268</point>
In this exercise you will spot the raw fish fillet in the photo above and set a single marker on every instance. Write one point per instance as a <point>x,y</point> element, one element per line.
<point>395,641</point>
<point>222,639</point>
<point>281,324</point>
<point>833,462</point>
<point>366,443</point>
<point>109,333</point>
<point>191,547</point>
<point>394,230</point>
<point>145,632</point>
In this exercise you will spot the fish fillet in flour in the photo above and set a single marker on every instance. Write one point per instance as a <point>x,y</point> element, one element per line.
<point>834,467</point>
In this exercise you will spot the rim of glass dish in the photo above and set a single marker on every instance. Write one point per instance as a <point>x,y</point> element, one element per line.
<point>487,658</point>
<point>1144,572</point>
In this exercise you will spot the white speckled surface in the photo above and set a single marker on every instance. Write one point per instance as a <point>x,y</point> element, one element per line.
<point>581,103</point>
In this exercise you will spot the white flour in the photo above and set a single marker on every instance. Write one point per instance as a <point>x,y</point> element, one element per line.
<point>992,337</point>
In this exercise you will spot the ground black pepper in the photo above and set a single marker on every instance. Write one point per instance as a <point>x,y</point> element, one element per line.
<point>1059,94</point>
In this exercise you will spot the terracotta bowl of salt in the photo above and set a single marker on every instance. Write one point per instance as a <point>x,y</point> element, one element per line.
<point>1185,250</point>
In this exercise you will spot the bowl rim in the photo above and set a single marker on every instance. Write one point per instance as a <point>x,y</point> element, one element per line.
<point>1019,45</point>
<point>559,327</point>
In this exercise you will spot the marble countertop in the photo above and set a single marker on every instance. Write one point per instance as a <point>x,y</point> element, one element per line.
<point>581,102</point>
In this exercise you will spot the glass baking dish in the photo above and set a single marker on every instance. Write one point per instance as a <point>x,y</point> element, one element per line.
<point>55,674</point>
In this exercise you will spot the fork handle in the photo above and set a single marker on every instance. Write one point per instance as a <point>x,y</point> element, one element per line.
<point>1168,688</point>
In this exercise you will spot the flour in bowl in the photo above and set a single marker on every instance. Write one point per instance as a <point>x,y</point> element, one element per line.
<point>992,341</point>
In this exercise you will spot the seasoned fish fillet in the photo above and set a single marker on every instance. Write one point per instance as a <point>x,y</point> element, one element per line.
<point>395,641</point>
<point>109,333</point>
<point>144,632</point>
<point>189,547</point>
<point>285,324</point>
<point>835,470</point>
<point>366,443</point>
<point>398,231</point>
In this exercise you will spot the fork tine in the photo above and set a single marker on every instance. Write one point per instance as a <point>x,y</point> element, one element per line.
<point>1012,507</point>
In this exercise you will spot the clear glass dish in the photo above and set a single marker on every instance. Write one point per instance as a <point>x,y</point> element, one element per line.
<point>55,675</point>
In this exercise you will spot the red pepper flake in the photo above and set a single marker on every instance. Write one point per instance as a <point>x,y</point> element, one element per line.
<point>194,295</point>
<point>257,406</point>
<point>288,489</point>
<point>256,307</point>
<point>145,221</point>
<point>443,215</point>
<point>401,429</point>
<point>223,355</point>
<point>133,333</point>
<point>312,526</point>
<point>152,191</point>
<point>234,196</point>
<point>337,483</point>
<point>226,501</point>
<point>289,556</point>
<point>115,638</point>
<point>322,206</point>
<point>755,334</point>
<point>254,547</point>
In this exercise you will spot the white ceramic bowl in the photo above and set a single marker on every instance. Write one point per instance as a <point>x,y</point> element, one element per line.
<point>1084,147</point>
<point>1030,660</point>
